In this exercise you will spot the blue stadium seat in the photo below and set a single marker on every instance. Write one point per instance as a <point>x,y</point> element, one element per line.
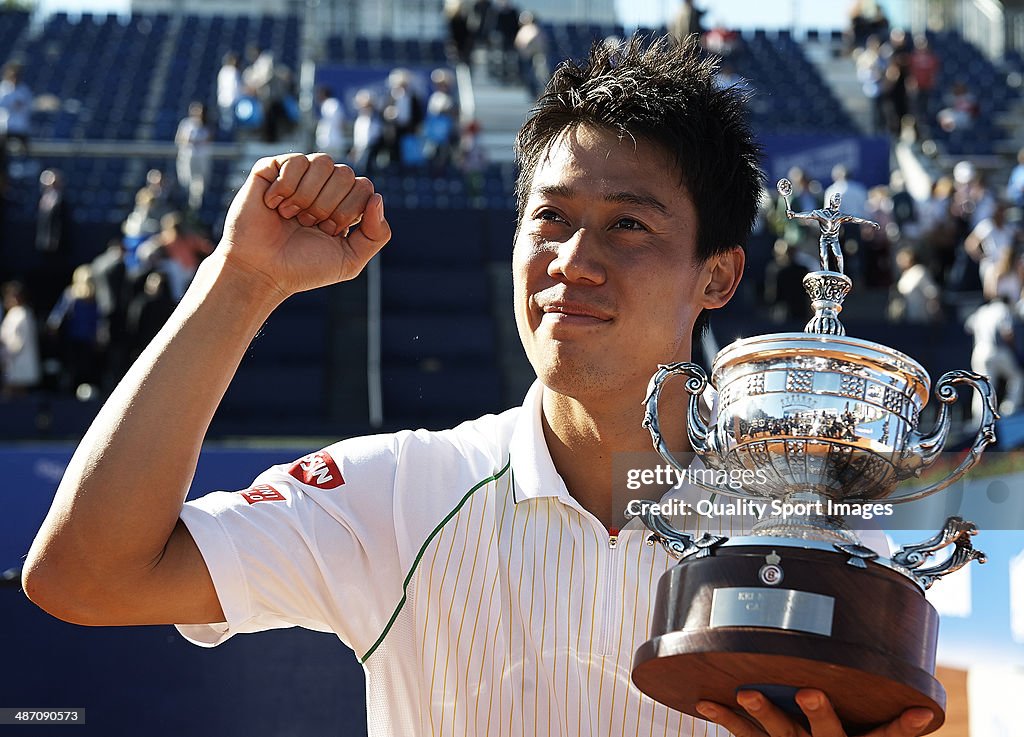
<point>442,338</point>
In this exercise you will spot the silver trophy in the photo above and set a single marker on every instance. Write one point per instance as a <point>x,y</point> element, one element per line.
<point>829,422</point>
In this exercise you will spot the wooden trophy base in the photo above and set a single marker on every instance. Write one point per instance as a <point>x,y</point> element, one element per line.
<point>864,636</point>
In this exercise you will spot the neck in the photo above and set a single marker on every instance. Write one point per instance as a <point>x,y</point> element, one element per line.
<point>585,437</point>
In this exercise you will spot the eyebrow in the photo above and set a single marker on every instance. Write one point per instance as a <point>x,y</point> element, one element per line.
<point>630,198</point>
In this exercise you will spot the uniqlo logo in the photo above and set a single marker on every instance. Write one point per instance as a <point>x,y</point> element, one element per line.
<point>317,469</point>
<point>263,493</point>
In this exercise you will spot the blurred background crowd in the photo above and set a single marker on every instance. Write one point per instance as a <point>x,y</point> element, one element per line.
<point>114,179</point>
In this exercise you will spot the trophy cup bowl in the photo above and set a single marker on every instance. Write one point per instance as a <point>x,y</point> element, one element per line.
<point>828,422</point>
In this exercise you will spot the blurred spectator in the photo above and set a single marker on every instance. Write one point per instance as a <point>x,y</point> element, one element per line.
<point>687,21</point>
<point>1004,279</point>
<point>854,194</point>
<point>147,313</point>
<point>924,75</point>
<point>479,23</point>
<point>152,202</point>
<point>993,356</point>
<point>722,41</point>
<point>505,26</point>
<point>472,159</point>
<point>74,322</point>
<point>367,134</point>
<point>177,252</point>
<point>897,73</point>
<point>271,84</point>
<point>229,90</point>
<point>866,19</point>
<point>871,70</point>
<point>459,37</point>
<point>1015,185</point>
<point>15,107</point>
<point>872,253</point>
<point>783,289</point>
<point>961,110</point>
<point>330,128</point>
<point>532,45</point>
<point>195,157</point>
<point>4,186</point>
<point>904,207</point>
<point>110,278</point>
<point>990,240</point>
<point>403,115</point>
<point>916,297</point>
<point>19,342</point>
<point>53,241</point>
<point>441,126</point>
<point>938,230</point>
<point>973,201</point>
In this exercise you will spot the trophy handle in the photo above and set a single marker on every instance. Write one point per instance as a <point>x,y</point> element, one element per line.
<point>957,532</point>
<point>697,430</point>
<point>701,438</point>
<point>925,449</point>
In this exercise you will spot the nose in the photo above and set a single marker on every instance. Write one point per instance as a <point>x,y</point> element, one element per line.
<point>577,260</point>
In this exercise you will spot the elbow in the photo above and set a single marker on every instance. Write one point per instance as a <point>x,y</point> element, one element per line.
<point>56,594</point>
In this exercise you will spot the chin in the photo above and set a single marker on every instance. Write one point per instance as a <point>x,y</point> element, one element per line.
<point>584,380</point>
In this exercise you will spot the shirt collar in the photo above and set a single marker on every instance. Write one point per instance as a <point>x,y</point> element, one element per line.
<point>533,471</point>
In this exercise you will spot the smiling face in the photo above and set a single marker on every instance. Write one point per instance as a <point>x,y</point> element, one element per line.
<point>607,281</point>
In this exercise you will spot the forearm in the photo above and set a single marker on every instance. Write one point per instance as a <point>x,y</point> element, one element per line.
<point>122,492</point>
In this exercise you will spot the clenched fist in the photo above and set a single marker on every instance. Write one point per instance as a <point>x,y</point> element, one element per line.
<point>291,224</point>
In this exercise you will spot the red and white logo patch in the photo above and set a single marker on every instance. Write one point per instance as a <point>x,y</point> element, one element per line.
<point>263,493</point>
<point>317,469</point>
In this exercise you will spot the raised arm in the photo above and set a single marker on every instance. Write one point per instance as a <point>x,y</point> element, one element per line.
<point>112,549</point>
<point>810,215</point>
<point>860,221</point>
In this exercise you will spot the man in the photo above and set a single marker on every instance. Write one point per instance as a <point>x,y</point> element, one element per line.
<point>194,160</point>
<point>473,571</point>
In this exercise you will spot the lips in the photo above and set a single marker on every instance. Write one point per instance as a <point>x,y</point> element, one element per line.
<point>575,310</point>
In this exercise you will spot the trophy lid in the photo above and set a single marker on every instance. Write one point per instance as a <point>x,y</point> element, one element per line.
<point>814,352</point>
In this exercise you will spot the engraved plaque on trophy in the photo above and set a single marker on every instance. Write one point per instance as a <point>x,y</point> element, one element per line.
<point>801,602</point>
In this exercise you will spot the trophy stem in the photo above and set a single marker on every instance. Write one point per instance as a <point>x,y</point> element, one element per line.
<point>805,516</point>
<point>827,290</point>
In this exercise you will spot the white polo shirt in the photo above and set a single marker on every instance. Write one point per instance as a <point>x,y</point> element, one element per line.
<point>479,596</point>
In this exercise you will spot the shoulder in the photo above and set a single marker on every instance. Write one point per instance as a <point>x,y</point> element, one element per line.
<point>446,462</point>
<point>459,457</point>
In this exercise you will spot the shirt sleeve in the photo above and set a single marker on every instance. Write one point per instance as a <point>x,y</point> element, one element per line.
<point>310,544</point>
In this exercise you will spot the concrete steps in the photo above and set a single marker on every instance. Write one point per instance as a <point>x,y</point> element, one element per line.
<point>501,110</point>
<point>840,73</point>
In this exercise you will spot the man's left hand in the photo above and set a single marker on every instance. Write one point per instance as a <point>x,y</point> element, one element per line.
<point>768,720</point>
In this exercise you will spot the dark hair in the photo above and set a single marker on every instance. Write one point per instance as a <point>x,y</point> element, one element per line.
<point>665,93</point>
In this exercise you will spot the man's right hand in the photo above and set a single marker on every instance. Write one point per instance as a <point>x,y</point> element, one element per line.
<point>290,224</point>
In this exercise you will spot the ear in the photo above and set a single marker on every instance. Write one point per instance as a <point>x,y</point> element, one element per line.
<point>722,274</point>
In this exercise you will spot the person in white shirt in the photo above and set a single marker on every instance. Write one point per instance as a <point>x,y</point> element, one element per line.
<point>367,133</point>
<point>15,107</point>
<point>229,89</point>
<point>990,240</point>
<point>330,127</point>
<point>195,156</point>
<point>917,295</point>
<point>477,572</point>
<point>992,327</point>
<point>20,368</point>
<point>853,193</point>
